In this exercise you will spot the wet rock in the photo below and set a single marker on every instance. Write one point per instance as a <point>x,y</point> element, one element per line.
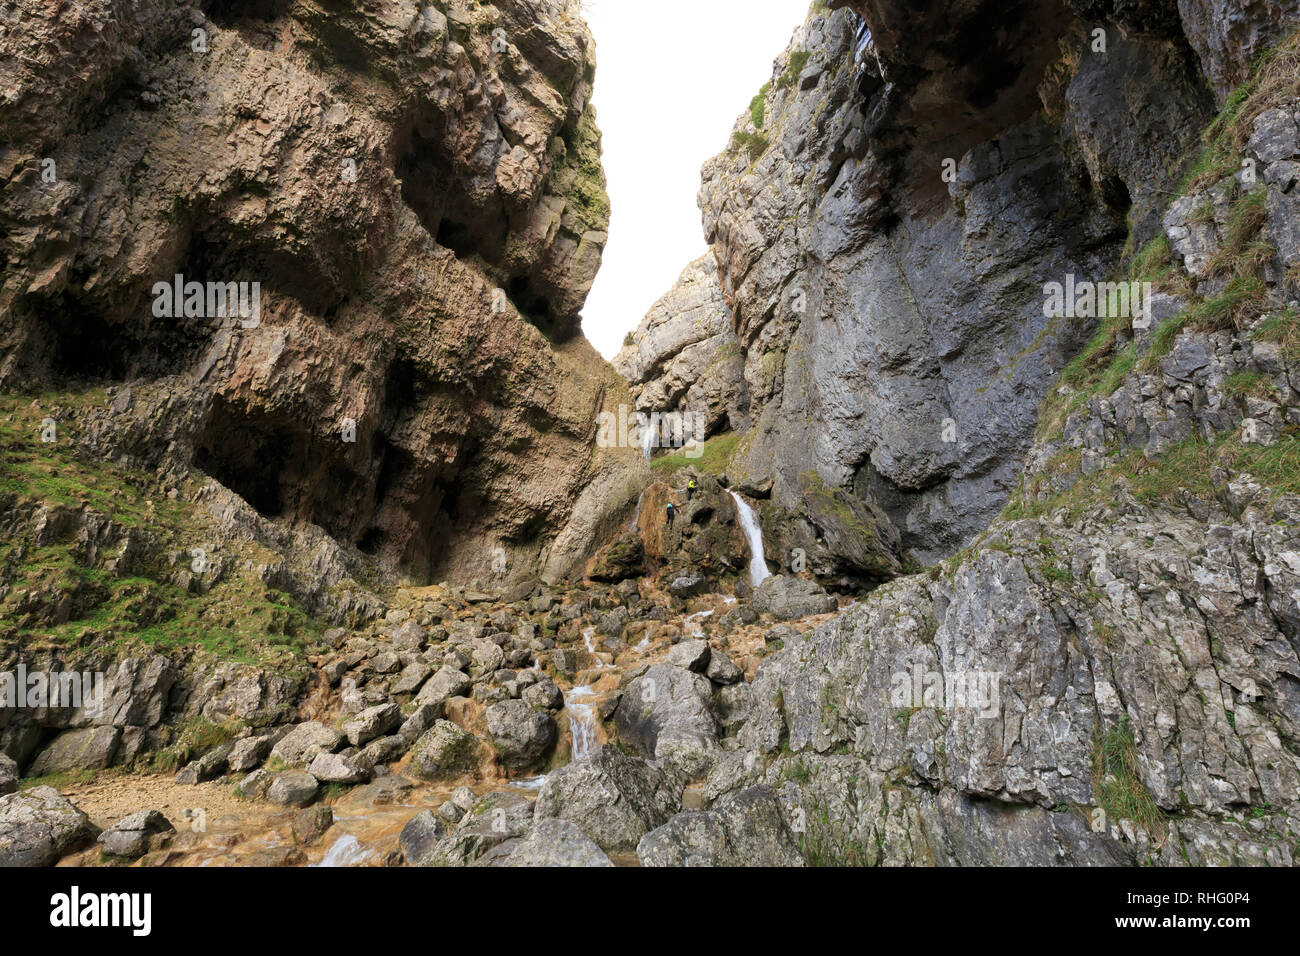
<point>131,836</point>
<point>522,735</point>
<point>39,826</point>
<point>443,751</point>
<point>311,824</point>
<point>613,798</point>
<point>293,788</point>
<point>746,828</point>
<point>421,840</point>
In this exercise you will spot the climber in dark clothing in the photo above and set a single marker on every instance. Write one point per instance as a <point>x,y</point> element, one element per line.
<point>672,513</point>
<point>690,489</point>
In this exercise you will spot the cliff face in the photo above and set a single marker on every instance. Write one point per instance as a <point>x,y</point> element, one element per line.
<point>417,193</point>
<point>899,308</point>
<point>1108,673</point>
<point>684,357</point>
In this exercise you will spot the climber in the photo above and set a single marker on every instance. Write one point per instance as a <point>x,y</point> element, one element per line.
<point>690,489</point>
<point>672,513</point>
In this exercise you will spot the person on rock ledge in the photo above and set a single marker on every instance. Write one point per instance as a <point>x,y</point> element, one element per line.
<point>672,513</point>
<point>690,489</point>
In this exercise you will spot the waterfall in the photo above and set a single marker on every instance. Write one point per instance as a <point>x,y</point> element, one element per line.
<point>582,722</point>
<point>754,535</point>
<point>647,441</point>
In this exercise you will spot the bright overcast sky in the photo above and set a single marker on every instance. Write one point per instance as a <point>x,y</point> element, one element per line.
<point>671,78</point>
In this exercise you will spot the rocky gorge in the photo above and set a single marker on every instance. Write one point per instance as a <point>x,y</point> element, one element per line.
<point>952,580</point>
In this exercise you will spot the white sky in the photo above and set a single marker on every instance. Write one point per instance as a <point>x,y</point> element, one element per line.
<point>671,78</point>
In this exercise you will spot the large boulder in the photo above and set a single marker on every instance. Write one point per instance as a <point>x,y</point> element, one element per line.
<point>615,799</point>
<point>40,825</point>
<point>301,745</point>
<point>92,748</point>
<point>787,598</point>
<point>442,686</point>
<point>371,723</point>
<point>443,751</point>
<point>293,788</point>
<point>520,734</point>
<point>746,828</point>
<point>667,713</point>
<point>553,843</point>
<point>620,559</point>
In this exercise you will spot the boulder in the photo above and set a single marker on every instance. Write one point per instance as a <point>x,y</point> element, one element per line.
<point>338,768</point>
<point>39,826</point>
<point>613,798</point>
<point>688,584</point>
<point>723,670</point>
<point>91,748</point>
<point>293,788</point>
<point>300,746</point>
<point>371,723</point>
<point>543,695</point>
<point>746,828</point>
<point>443,751</point>
<point>691,655</point>
<point>442,686</point>
<point>520,734</point>
<point>787,598</point>
<point>130,837</point>
<point>668,713</point>
<point>8,775</point>
<point>554,843</point>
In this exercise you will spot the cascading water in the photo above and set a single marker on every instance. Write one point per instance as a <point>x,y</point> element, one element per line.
<point>582,721</point>
<point>647,441</point>
<point>758,571</point>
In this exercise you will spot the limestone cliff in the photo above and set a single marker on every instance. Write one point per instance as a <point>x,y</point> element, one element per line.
<point>416,190</point>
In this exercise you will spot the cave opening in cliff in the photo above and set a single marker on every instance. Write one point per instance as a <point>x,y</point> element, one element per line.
<point>227,13</point>
<point>81,344</point>
<point>250,454</point>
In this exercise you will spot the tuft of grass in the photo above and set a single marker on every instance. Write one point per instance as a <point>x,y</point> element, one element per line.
<point>1118,785</point>
<point>755,144</point>
<point>1283,329</point>
<point>793,67</point>
<point>758,107</point>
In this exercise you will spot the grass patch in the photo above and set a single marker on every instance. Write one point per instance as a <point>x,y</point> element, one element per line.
<point>714,458</point>
<point>1282,329</point>
<point>755,144</point>
<point>1117,783</point>
<point>793,67</point>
